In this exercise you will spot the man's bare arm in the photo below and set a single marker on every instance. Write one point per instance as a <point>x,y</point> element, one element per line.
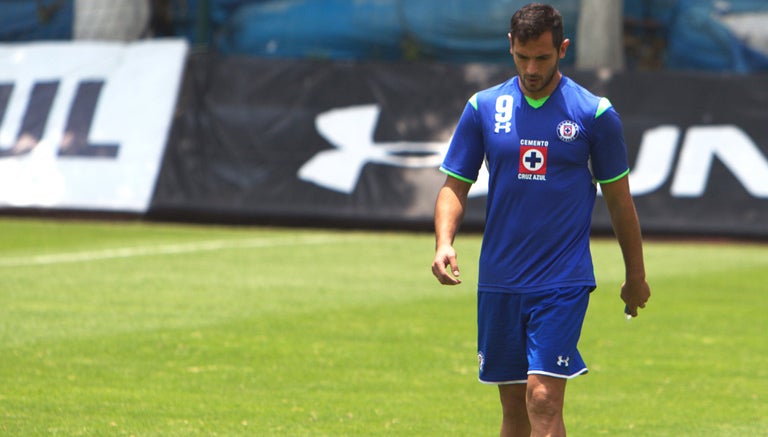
<point>635,291</point>
<point>449,213</point>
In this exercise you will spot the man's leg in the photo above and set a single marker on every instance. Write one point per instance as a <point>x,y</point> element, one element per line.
<point>514,422</point>
<point>545,398</point>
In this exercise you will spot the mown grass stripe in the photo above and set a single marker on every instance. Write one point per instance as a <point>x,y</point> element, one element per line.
<point>166,249</point>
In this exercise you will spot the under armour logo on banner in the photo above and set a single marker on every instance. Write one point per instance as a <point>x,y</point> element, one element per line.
<point>350,130</point>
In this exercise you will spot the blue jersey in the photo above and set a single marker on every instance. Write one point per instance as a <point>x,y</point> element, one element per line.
<point>543,158</point>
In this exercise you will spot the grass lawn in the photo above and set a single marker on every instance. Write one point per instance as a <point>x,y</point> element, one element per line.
<point>160,330</point>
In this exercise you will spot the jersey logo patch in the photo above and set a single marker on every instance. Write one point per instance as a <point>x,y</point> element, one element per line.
<point>567,130</point>
<point>533,160</point>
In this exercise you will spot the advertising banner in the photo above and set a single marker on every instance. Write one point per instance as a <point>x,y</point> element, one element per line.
<point>313,142</point>
<point>361,143</point>
<point>84,125</point>
<point>698,152</point>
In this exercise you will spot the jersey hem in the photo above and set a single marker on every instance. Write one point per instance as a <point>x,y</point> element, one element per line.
<point>491,288</point>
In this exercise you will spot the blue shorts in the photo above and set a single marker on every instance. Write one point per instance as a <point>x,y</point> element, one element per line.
<point>530,333</point>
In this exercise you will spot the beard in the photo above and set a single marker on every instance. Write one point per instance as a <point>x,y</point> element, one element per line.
<point>534,83</point>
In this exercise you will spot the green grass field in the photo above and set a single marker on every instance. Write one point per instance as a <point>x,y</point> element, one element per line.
<point>161,330</point>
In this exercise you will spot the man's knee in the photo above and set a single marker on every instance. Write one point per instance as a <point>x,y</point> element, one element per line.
<point>513,397</point>
<point>545,397</point>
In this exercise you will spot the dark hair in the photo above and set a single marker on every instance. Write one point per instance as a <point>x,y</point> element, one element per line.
<point>534,19</point>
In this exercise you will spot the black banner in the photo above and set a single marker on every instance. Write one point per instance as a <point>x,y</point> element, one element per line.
<point>359,143</point>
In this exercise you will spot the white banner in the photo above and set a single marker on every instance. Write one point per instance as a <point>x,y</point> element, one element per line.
<point>83,125</point>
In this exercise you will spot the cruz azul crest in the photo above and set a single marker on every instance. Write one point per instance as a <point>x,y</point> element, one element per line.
<point>567,130</point>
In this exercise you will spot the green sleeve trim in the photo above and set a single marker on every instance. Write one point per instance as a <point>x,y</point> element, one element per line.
<point>459,177</point>
<point>602,106</point>
<point>473,101</point>
<point>608,181</point>
<point>537,103</point>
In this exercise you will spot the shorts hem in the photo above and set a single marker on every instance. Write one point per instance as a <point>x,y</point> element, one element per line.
<point>514,381</point>
<point>558,375</point>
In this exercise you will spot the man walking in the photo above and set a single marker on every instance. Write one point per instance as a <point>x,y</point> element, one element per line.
<point>546,142</point>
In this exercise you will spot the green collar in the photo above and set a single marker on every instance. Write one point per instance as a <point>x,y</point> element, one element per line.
<point>536,103</point>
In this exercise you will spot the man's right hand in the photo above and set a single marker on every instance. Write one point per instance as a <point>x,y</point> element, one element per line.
<point>444,267</point>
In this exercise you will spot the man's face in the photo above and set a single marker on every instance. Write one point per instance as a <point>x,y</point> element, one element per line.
<point>537,62</point>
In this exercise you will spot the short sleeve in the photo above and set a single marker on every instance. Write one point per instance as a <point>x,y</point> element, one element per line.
<point>608,153</point>
<point>466,151</point>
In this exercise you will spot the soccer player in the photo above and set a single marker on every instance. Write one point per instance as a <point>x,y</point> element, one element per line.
<point>546,142</point>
